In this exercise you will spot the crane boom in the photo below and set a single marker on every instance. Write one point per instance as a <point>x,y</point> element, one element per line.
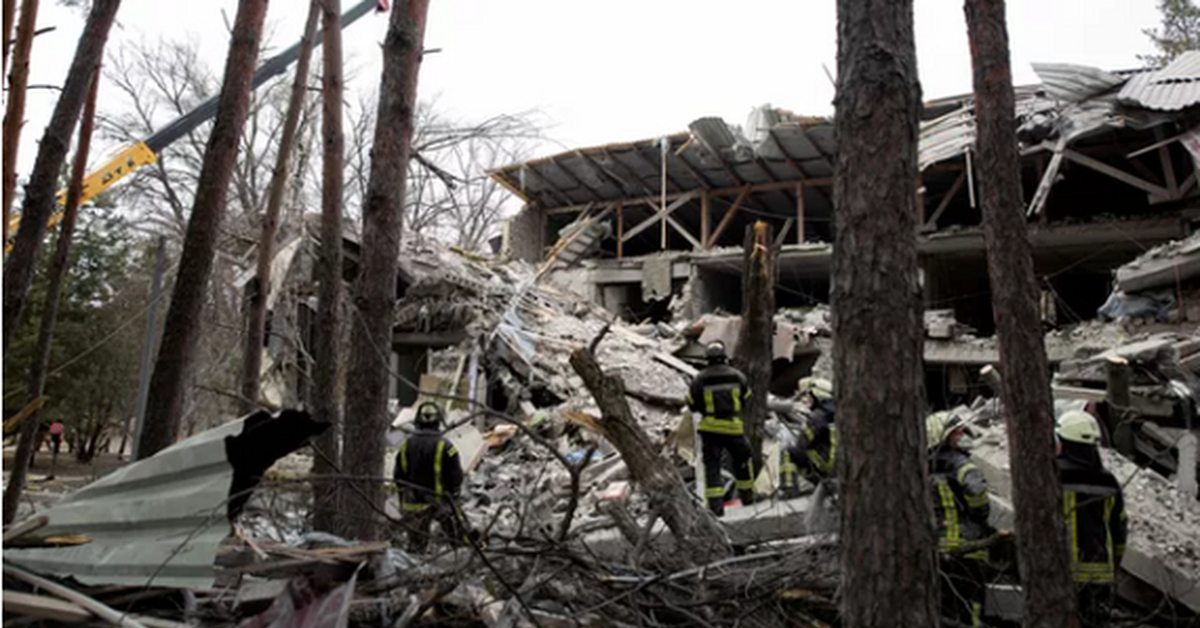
<point>146,151</point>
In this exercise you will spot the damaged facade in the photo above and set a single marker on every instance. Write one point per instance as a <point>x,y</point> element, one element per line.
<point>643,240</point>
<point>1106,169</point>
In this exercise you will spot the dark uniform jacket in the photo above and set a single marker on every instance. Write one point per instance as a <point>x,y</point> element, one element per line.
<point>960,498</point>
<point>1094,512</point>
<point>814,454</point>
<point>818,439</point>
<point>431,463</point>
<point>718,393</point>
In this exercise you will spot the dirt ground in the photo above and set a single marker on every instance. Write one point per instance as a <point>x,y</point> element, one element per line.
<point>69,473</point>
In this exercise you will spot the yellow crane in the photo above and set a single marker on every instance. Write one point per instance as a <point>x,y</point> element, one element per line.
<point>146,152</point>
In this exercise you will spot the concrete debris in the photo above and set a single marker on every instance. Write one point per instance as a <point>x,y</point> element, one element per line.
<point>501,334</point>
<point>941,324</point>
<point>1162,266</point>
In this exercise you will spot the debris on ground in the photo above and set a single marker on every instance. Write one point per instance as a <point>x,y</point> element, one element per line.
<point>551,552</point>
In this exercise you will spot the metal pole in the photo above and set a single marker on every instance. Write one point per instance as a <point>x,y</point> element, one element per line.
<point>148,345</point>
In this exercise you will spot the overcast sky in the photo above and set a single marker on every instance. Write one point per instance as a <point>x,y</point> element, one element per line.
<point>622,70</point>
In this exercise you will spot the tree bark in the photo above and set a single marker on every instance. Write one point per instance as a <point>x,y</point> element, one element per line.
<point>14,115</point>
<point>52,152</point>
<point>375,292</point>
<point>756,337</point>
<point>10,13</point>
<point>327,371</point>
<point>1029,411</point>
<point>181,329</point>
<point>695,530</point>
<point>58,272</point>
<point>888,555</point>
<point>260,287</point>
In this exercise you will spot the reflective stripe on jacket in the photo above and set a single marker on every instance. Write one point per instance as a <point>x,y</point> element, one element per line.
<point>427,469</point>
<point>819,439</point>
<point>1094,513</point>
<point>960,498</point>
<point>719,393</point>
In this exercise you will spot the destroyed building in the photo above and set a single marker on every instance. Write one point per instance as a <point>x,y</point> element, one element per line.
<point>643,239</point>
<point>1106,168</point>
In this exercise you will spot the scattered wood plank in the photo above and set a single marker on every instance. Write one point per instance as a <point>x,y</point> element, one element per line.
<point>1187,347</point>
<point>288,568</point>
<point>102,611</point>
<point>42,607</point>
<point>675,363</point>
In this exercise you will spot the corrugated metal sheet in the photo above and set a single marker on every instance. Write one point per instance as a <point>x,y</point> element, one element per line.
<point>159,520</point>
<point>1075,83</point>
<point>713,155</point>
<point>1172,88</point>
<point>945,137</point>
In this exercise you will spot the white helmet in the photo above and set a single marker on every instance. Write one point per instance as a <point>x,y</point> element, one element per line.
<point>1078,426</point>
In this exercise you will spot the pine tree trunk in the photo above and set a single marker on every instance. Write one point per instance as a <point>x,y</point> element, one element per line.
<point>888,551</point>
<point>756,339</point>
<point>1045,568</point>
<point>14,115</point>
<point>260,287</point>
<point>59,266</point>
<point>52,153</point>
<point>375,293</point>
<point>326,400</point>
<point>183,324</point>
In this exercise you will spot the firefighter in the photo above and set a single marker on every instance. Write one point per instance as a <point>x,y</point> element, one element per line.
<point>1094,512</point>
<point>962,508</point>
<point>429,477</point>
<point>718,393</point>
<point>814,454</point>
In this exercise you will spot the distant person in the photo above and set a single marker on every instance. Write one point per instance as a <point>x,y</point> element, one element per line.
<point>962,507</point>
<point>429,476</point>
<point>57,430</point>
<point>719,393</point>
<point>1094,512</point>
<point>814,454</point>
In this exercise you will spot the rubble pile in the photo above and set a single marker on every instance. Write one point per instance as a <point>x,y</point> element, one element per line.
<point>563,539</point>
<point>816,320</point>
<point>1089,337</point>
<point>1163,522</point>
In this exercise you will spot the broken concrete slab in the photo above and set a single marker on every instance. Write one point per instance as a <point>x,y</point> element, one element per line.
<point>1163,265</point>
<point>765,521</point>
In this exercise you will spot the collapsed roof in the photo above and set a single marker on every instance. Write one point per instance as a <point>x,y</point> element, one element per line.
<point>780,165</point>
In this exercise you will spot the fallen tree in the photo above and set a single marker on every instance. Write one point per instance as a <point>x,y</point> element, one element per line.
<point>696,531</point>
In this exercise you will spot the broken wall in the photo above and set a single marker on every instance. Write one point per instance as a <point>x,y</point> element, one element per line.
<point>527,235</point>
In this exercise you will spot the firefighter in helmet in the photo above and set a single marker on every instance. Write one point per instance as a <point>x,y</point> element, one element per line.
<point>813,456</point>
<point>1094,511</point>
<point>961,503</point>
<point>719,393</point>
<point>429,476</point>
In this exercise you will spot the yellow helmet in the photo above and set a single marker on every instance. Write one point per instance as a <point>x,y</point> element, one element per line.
<point>820,387</point>
<point>1078,426</point>
<point>939,426</point>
